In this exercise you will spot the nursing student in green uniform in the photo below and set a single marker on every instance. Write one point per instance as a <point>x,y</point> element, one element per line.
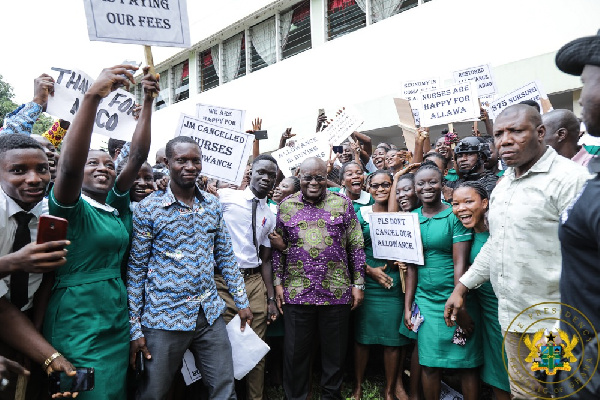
<point>446,246</point>
<point>87,318</point>
<point>352,177</point>
<point>378,319</point>
<point>469,204</point>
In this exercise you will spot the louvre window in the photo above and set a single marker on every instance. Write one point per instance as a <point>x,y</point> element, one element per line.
<point>181,76</point>
<point>208,74</point>
<point>263,50</point>
<point>344,16</point>
<point>163,98</point>
<point>295,30</point>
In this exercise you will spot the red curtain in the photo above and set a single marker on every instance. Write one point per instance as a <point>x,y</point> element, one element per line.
<point>207,59</point>
<point>186,70</point>
<point>335,5</point>
<point>301,12</point>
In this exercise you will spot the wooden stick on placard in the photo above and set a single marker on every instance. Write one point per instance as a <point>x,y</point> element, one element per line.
<point>150,63</point>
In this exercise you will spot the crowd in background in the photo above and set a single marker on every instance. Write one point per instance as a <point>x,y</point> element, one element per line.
<point>158,259</point>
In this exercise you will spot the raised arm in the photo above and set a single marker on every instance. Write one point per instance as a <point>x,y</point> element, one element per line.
<point>22,119</point>
<point>67,186</point>
<point>367,149</point>
<point>140,142</point>
<point>421,139</point>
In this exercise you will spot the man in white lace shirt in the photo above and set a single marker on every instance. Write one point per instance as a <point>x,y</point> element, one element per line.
<point>522,256</point>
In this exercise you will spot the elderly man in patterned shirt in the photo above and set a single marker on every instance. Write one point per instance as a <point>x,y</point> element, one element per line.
<point>319,279</point>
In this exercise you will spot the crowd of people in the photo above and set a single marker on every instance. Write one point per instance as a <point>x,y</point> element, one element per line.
<point>158,259</point>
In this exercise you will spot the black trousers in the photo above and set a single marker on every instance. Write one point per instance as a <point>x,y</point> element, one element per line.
<point>302,323</point>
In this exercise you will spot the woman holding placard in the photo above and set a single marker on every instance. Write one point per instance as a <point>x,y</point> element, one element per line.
<point>377,320</point>
<point>446,245</point>
<point>469,204</point>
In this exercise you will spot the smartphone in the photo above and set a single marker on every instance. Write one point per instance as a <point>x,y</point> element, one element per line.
<point>140,365</point>
<point>260,135</point>
<point>51,228</point>
<point>321,111</point>
<point>338,149</point>
<point>82,381</point>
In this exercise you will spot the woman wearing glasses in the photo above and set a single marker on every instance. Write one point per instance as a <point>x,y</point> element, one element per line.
<point>377,321</point>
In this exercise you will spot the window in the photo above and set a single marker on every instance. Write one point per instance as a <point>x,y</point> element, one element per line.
<point>344,16</point>
<point>263,50</point>
<point>181,77</point>
<point>295,30</point>
<point>233,48</point>
<point>242,70</point>
<point>163,98</point>
<point>208,74</point>
<point>382,9</point>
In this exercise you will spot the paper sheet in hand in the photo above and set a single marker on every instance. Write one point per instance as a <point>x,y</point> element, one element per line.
<point>247,349</point>
<point>189,370</point>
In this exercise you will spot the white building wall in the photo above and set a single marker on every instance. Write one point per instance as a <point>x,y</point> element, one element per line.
<point>366,68</point>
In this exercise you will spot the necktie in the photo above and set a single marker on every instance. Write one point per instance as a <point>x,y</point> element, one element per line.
<point>19,280</point>
<point>254,205</point>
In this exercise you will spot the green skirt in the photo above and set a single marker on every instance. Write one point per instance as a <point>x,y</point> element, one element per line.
<point>378,318</point>
<point>434,287</point>
<point>491,372</point>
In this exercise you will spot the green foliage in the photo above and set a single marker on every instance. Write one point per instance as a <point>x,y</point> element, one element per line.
<point>6,96</point>
<point>43,123</point>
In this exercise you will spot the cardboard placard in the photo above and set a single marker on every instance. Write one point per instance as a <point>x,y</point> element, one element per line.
<point>291,157</point>
<point>396,236</point>
<point>225,152</point>
<point>450,104</point>
<point>405,115</point>
<point>114,117</point>
<point>481,75</point>
<point>190,372</point>
<point>531,91</point>
<point>145,22</point>
<point>411,89</point>
<point>229,118</point>
<point>343,125</point>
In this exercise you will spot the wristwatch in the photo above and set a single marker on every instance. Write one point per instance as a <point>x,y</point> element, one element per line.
<point>271,299</point>
<point>361,287</point>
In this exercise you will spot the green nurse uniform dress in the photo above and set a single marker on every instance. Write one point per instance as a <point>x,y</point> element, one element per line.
<point>435,283</point>
<point>491,333</point>
<point>378,318</point>
<point>87,318</point>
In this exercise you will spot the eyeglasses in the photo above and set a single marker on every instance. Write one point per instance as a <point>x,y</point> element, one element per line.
<point>376,186</point>
<point>309,178</point>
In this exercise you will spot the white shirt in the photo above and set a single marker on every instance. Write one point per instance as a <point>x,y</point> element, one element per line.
<point>522,257</point>
<point>8,228</point>
<point>364,198</point>
<point>237,212</point>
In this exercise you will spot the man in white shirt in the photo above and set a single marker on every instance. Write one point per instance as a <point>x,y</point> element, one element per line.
<point>250,221</point>
<point>522,256</point>
<point>24,176</point>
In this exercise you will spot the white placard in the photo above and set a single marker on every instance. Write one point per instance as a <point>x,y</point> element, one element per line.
<point>225,151</point>
<point>343,125</point>
<point>481,75</point>
<point>114,117</point>
<point>531,91</point>
<point>229,118</point>
<point>396,236</point>
<point>450,104</point>
<point>411,90</point>
<point>190,372</point>
<point>146,22</point>
<point>247,349</point>
<point>291,157</point>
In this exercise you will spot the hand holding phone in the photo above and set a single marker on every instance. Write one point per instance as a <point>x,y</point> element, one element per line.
<point>82,381</point>
<point>260,135</point>
<point>51,229</point>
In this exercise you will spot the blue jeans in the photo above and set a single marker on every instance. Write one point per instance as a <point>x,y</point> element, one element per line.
<point>212,352</point>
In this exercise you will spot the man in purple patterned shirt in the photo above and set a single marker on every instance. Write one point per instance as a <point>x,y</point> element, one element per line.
<point>319,279</point>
